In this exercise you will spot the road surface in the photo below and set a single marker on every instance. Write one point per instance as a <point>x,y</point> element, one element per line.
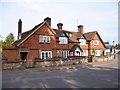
<point>95,75</point>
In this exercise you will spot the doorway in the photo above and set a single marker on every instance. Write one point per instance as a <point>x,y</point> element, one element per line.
<point>23,56</point>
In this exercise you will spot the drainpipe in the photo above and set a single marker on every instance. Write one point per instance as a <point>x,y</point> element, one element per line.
<point>89,51</point>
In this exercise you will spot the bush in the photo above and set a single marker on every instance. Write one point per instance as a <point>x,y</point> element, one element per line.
<point>37,59</point>
<point>73,63</point>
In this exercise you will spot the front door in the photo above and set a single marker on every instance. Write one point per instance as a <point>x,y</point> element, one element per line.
<point>23,55</point>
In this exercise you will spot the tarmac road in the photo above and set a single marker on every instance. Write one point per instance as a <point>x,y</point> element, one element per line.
<point>95,75</point>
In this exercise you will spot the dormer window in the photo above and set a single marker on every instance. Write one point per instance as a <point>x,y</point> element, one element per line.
<point>63,40</point>
<point>82,41</point>
<point>44,39</point>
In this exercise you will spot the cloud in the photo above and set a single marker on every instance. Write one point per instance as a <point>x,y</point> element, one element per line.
<point>32,6</point>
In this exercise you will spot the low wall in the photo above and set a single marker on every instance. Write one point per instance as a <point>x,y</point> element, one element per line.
<point>41,63</point>
<point>12,65</point>
<point>103,58</point>
<point>51,63</point>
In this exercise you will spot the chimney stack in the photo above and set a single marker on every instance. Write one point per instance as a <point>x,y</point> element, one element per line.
<point>80,29</point>
<point>19,29</point>
<point>48,20</point>
<point>60,25</point>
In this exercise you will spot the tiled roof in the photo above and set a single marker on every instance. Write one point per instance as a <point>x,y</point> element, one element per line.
<point>73,39</point>
<point>90,35</point>
<point>64,32</point>
<point>74,48</point>
<point>25,34</point>
<point>9,47</point>
<point>60,32</point>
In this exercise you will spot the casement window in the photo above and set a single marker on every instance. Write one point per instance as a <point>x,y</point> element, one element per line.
<point>97,52</point>
<point>44,39</point>
<point>46,54</point>
<point>63,40</point>
<point>84,53</point>
<point>64,53</point>
<point>96,42</point>
<point>82,41</point>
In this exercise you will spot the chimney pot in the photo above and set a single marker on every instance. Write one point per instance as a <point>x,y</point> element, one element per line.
<point>60,25</point>
<point>19,29</point>
<point>48,20</point>
<point>80,29</point>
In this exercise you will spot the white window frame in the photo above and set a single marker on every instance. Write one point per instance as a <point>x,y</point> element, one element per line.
<point>82,41</point>
<point>70,35</point>
<point>63,40</point>
<point>97,52</point>
<point>44,39</point>
<point>49,53</point>
<point>64,53</point>
<point>84,53</point>
<point>96,42</point>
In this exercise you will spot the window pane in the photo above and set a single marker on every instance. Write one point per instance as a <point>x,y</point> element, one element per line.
<point>63,40</point>
<point>44,38</point>
<point>96,42</point>
<point>42,55</point>
<point>48,39</point>
<point>63,54</point>
<point>41,38</point>
<point>49,55</point>
<point>46,55</point>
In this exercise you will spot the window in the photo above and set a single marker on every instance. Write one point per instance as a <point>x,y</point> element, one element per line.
<point>45,39</point>
<point>70,35</point>
<point>97,52</point>
<point>63,40</point>
<point>64,53</point>
<point>96,42</point>
<point>82,41</point>
<point>83,53</point>
<point>46,54</point>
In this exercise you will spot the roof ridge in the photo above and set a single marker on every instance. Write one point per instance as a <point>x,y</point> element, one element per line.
<point>33,27</point>
<point>63,30</point>
<point>90,32</point>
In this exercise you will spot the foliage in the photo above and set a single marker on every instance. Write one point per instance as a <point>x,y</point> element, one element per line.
<point>117,46</point>
<point>9,39</point>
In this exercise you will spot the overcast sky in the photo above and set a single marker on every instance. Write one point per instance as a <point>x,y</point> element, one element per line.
<point>95,15</point>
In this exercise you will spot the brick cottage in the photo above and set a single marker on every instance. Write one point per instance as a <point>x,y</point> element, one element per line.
<point>44,42</point>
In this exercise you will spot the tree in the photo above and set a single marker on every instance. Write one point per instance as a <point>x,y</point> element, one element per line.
<point>118,46</point>
<point>9,40</point>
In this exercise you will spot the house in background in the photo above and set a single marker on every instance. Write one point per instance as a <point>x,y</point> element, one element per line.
<point>90,42</point>
<point>107,50</point>
<point>96,45</point>
<point>45,42</point>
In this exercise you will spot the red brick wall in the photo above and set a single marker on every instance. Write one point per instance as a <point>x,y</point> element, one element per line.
<point>11,54</point>
<point>100,46</point>
<point>33,54</point>
<point>84,47</point>
<point>33,43</point>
